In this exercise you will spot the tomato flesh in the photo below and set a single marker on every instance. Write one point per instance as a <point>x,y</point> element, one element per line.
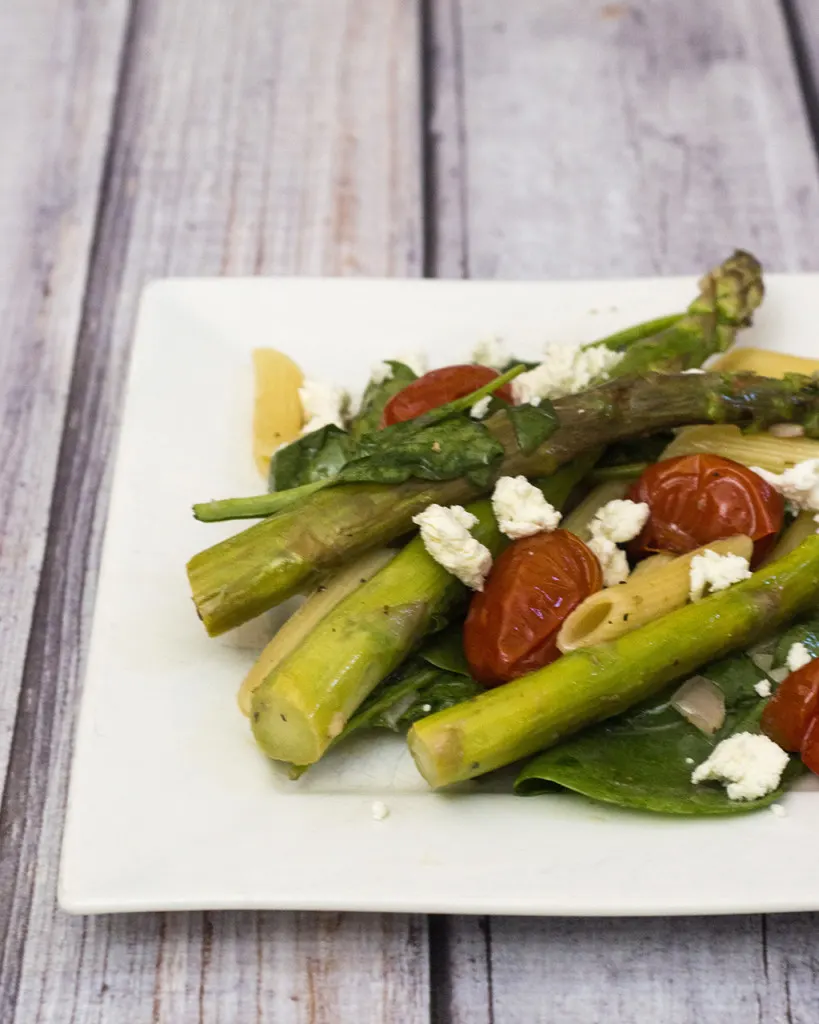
<point>810,747</point>
<point>789,713</point>
<point>438,387</point>
<point>696,499</point>
<point>512,625</point>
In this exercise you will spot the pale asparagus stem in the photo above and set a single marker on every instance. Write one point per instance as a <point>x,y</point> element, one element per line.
<point>318,605</point>
<point>805,525</point>
<point>587,686</point>
<point>308,698</point>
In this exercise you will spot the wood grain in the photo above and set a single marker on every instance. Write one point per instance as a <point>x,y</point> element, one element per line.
<point>59,65</point>
<point>590,139</point>
<point>251,137</point>
<point>594,139</point>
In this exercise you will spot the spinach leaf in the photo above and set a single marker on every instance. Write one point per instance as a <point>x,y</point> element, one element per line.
<point>320,455</point>
<point>644,758</point>
<point>456,447</point>
<point>445,650</point>
<point>805,632</point>
<point>533,424</point>
<point>368,418</point>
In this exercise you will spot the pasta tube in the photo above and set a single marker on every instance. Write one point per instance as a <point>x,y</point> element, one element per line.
<point>764,362</point>
<point>644,597</point>
<point>764,450</point>
<point>803,526</point>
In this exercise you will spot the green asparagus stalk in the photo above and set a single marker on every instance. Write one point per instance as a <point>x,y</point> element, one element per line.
<point>241,577</point>
<point>306,701</point>
<point>587,686</point>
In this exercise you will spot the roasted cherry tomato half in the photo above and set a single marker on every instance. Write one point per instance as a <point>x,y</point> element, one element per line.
<point>696,499</point>
<point>788,715</point>
<point>512,625</point>
<point>810,747</point>
<point>438,387</point>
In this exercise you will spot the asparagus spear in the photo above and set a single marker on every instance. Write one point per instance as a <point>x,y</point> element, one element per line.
<point>306,701</point>
<point>538,710</point>
<point>241,577</point>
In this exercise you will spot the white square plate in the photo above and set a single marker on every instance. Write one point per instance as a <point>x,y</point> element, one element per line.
<point>171,805</point>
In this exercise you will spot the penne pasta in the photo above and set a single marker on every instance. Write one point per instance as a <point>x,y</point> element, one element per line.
<point>277,410</point>
<point>651,564</point>
<point>645,596</point>
<point>764,362</point>
<point>577,522</point>
<point>802,527</point>
<point>765,450</point>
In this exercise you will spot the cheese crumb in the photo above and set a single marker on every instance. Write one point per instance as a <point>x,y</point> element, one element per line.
<point>778,811</point>
<point>763,687</point>
<point>446,536</point>
<point>490,352</point>
<point>426,707</point>
<point>379,810</point>
<point>749,765</point>
<point>689,760</point>
<point>694,369</point>
<point>480,408</point>
<point>612,560</point>
<point>615,523</point>
<point>323,404</point>
<point>381,372</point>
<point>798,656</point>
<point>619,520</point>
<point>786,430</point>
<point>710,572</point>
<point>520,508</point>
<point>564,371</point>
<point>798,485</point>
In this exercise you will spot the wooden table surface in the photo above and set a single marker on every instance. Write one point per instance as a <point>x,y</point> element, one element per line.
<point>461,138</point>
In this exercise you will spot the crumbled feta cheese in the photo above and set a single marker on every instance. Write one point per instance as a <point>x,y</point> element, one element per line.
<point>417,361</point>
<point>778,811</point>
<point>710,572</point>
<point>612,560</point>
<point>379,810</point>
<point>565,371</point>
<point>380,373</point>
<point>763,687</point>
<point>749,765</point>
<point>520,508</point>
<point>619,520</point>
<point>426,707</point>
<point>799,484</point>
<point>490,352</point>
<point>480,408</point>
<point>694,369</point>
<point>689,760</point>
<point>786,430</point>
<point>446,536</point>
<point>322,404</point>
<point>798,656</point>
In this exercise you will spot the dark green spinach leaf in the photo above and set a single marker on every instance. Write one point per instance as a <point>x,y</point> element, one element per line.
<point>320,455</point>
<point>376,395</point>
<point>644,758</point>
<point>445,650</point>
<point>533,424</point>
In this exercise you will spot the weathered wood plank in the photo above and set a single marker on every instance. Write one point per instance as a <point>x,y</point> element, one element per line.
<point>59,71</point>
<point>250,138</point>
<point>624,138</point>
<point>593,139</point>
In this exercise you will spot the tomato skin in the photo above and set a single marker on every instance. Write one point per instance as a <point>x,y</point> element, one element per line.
<point>438,387</point>
<point>696,499</point>
<point>810,747</point>
<point>512,625</point>
<point>788,715</point>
